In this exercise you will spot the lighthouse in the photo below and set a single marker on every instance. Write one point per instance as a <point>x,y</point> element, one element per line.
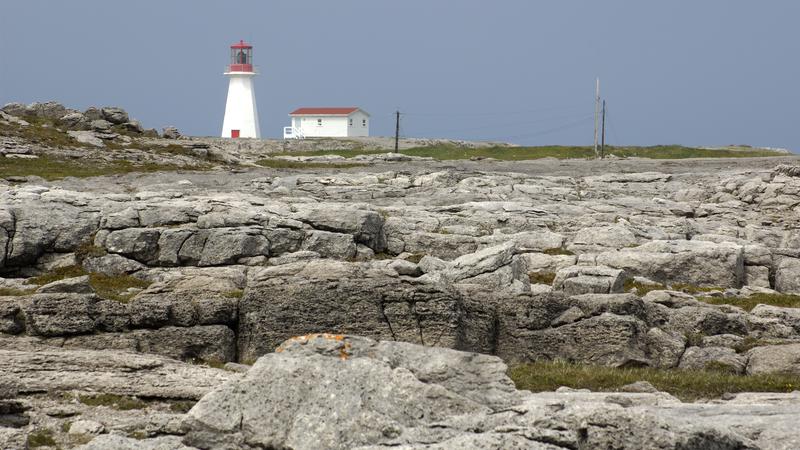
<point>241,113</point>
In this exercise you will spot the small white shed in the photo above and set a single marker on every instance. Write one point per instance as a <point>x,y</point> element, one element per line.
<point>327,122</point>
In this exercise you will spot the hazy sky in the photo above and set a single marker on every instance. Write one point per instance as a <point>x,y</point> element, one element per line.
<point>695,72</point>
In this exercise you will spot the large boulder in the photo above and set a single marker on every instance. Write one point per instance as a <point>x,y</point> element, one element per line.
<point>331,296</point>
<point>787,276</point>
<point>48,110</point>
<point>353,392</point>
<point>365,226</point>
<point>713,358</point>
<point>696,263</point>
<point>59,314</point>
<point>576,280</point>
<point>774,359</point>
<point>115,115</point>
<point>15,109</point>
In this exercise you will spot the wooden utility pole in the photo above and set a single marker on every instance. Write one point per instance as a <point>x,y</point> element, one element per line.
<point>603,133</point>
<point>397,132</point>
<point>596,116</point>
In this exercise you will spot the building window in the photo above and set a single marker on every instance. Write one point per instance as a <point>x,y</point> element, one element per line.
<point>363,122</point>
<point>350,122</point>
<point>319,122</point>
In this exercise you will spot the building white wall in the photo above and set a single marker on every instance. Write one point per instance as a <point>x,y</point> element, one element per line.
<point>332,126</point>
<point>241,112</point>
<point>358,128</point>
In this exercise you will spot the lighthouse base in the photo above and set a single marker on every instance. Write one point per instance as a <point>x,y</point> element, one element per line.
<point>241,113</point>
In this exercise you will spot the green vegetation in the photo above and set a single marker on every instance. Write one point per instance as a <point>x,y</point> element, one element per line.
<point>181,406</point>
<point>542,277</point>
<point>694,339</point>
<point>641,288</point>
<point>111,287</point>
<point>449,152</point>
<point>120,402</point>
<point>51,168</point>
<point>694,290</point>
<point>415,257</point>
<point>9,292</point>
<point>236,293</point>
<point>41,437</point>
<point>748,303</point>
<point>557,251</point>
<point>688,385</point>
<point>284,164</point>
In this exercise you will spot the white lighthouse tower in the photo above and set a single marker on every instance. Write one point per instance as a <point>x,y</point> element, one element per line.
<point>241,113</point>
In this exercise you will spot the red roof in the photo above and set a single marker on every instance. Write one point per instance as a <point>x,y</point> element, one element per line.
<point>323,111</point>
<point>241,44</point>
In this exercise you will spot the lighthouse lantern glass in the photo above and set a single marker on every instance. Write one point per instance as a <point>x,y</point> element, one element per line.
<point>241,58</point>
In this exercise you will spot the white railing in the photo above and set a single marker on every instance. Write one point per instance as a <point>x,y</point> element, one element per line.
<point>292,133</point>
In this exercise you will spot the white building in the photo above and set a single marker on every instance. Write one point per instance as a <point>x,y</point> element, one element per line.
<point>241,113</point>
<point>327,122</point>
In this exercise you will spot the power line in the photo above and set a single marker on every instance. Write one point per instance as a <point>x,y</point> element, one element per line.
<point>495,113</point>
<point>550,130</point>
<point>505,125</point>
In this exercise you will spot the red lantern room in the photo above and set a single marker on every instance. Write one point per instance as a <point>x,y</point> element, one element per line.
<point>241,57</point>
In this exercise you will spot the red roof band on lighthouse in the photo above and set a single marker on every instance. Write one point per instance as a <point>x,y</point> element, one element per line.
<point>241,57</point>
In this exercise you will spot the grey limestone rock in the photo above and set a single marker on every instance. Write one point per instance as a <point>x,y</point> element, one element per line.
<point>74,120</point>
<point>77,285</point>
<point>397,389</point>
<point>774,359</point>
<point>119,442</point>
<point>114,115</point>
<point>87,137</point>
<point>59,314</point>
<point>787,276</point>
<point>54,369</point>
<point>576,280</point>
<point>336,297</point>
<point>170,133</point>
<point>713,358</point>
<point>697,263</point>
<point>330,245</point>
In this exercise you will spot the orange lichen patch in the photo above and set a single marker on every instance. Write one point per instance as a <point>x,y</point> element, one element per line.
<point>309,337</point>
<point>343,354</point>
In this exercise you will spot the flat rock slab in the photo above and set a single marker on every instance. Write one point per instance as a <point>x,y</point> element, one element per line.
<point>52,369</point>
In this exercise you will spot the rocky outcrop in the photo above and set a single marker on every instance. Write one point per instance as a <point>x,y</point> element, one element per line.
<point>413,397</point>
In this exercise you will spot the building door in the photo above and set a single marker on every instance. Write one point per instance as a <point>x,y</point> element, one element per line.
<point>234,133</point>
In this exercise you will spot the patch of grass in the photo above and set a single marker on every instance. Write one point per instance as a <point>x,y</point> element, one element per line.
<point>415,257</point>
<point>453,152</point>
<point>87,249</point>
<point>51,168</point>
<point>641,288</point>
<point>557,251</point>
<point>115,287</point>
<point>541,277</point>
<point>688,385</point>
<point>181,406</point>
<point>748,303</point>
<point>65,426</point>
<point>10,292</point>
<point>692,289</point>
<point>120,402</point>
<point>58,274</point>
<point>42,131</point>
<point>138,435</point>
<point>284,164</point>
<point>694,339</point>
<point>41,437</point>
<point>236,293</point>
<point>110,287</point>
